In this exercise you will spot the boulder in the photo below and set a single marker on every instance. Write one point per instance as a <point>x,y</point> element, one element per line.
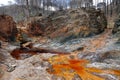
<point>8,28</point>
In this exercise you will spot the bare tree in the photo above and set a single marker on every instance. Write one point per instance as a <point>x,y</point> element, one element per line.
<point>104,1</point>
<point>10,2</point>
<point>20,2</point>
<point>111,7</point>
<point>117,5</point>
<point>25,6</point>
<point>27,11</point>
<point>81,3</point>
<point>3,10</point>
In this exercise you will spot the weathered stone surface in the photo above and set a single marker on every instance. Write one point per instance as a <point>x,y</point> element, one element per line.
<point>69,24</point>
<point>29,69</point>
<point>114,54</point>
<point>116,29</point>
<point>35,28</point>
<point>7,28</point>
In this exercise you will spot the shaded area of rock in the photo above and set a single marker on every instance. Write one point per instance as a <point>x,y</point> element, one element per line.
<point>8,28</point>
<point>116,29</point>
<point>35,28</point>
<point>3,55</point>
<point>114,54</point>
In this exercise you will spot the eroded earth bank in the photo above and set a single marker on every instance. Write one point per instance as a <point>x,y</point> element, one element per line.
<point>66,45</point>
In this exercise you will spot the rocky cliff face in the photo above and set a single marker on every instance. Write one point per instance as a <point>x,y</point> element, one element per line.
<point>69,24</point>
<point>8,28</point>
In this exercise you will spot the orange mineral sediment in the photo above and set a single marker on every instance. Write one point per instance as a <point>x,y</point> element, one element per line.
<point>65,67</point>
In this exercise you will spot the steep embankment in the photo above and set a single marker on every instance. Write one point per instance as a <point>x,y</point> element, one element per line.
<point>69,24</point>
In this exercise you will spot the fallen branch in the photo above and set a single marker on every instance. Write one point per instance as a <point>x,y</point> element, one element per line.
<point>22,53</point>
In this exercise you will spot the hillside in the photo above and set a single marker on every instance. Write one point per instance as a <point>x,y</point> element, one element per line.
<point>69,24</point>
<point>72,44</point>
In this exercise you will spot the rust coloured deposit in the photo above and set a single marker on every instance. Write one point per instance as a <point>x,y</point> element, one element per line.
<point>16,53</point>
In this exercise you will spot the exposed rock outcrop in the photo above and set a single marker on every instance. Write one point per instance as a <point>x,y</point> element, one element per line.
<point>69,24</point>
<point>8,28</point>
<point>35,28</point>
<point>116,28</point>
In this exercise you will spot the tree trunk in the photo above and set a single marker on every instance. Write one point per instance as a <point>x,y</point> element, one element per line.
<point>27,11</point>
<point>111,6</point>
